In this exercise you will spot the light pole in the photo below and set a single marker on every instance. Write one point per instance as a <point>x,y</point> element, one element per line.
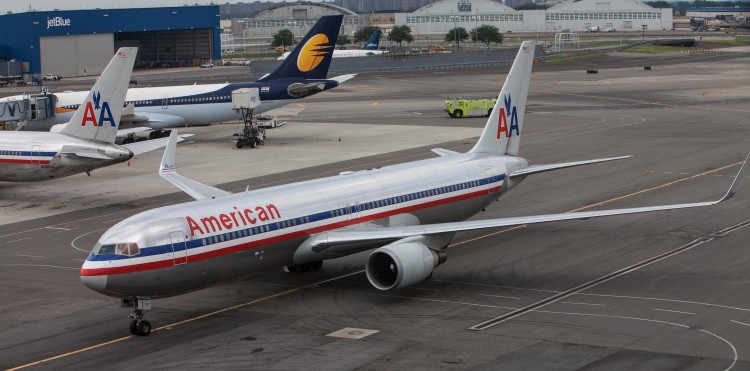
<point>476,37</point>
<point>455,32</point>
<point>643,26</point>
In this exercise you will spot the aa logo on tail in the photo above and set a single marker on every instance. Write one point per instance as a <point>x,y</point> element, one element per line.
<point>507,113</point>
<point>313,52</point>
<point>89,112</point>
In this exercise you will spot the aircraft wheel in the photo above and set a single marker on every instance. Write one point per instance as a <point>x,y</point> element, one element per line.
<point>317,265</point>
<point>458,114</point>
<point>127,141</point>
<point>134,327</point>
<point>290,268</point>
<point>140,139</point>
<point>305,267</point>
<point>153,135</point>
<point>166,133</point>
<point>144,328</point>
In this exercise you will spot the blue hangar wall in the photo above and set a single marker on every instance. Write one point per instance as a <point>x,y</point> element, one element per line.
<point>166,37</point>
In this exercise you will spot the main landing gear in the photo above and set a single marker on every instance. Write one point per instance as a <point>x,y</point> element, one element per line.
<point>138,325</point>
<point>306,267</point>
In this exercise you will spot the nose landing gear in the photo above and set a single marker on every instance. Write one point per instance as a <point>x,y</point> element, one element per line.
<point>138,326</point>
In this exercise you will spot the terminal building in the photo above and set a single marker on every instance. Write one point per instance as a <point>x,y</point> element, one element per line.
<point>81,42</point>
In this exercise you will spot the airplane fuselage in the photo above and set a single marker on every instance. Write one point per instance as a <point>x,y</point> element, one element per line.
<point>28,157</point>
<point>189,246</point>
<point>173,106</point>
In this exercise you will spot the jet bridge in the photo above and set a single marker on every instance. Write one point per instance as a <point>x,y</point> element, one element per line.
<point>15,113</point>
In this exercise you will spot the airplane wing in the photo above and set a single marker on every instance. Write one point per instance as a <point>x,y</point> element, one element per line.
<point>533,169</point>
<point>168,171</point>
<point>126,132</point>
<point>334,238</point>
<point>155,120</point>
<point>343,78</point>
<point>86,154</point>
<point>149,145</point>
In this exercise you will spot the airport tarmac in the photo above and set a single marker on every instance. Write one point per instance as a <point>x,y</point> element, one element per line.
<point>653,291</point>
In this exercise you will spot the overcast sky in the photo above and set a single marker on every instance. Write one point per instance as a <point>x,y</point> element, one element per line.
<point>23,5</point>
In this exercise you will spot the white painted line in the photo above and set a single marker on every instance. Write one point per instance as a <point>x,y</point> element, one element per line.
<point>422,288</point>
<point>29,256</point>
<point>734,350</point>
<point>673,311</point>
<point>501,296</point>
<point>667,300</point>
<point>58,228</point>
<point>741,323</point>
<point>110,221</point>
<point>592,304</point>
<point>21,239</point>
<point>611,316</point>
<point>498,286</point>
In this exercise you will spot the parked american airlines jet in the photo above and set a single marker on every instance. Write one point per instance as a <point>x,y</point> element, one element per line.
<point>370,48</point>
<point>86,143</point>
<point>165,107</point>
<point>408,213</point>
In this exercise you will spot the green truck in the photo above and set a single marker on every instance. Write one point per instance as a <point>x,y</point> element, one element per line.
<point>463,107</point>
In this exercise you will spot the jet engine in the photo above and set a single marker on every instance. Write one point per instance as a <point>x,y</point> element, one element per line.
<point>401,264</point>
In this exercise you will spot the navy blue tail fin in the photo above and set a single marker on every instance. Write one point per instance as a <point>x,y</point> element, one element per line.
<point>373,42</point>
<point>311,58</point>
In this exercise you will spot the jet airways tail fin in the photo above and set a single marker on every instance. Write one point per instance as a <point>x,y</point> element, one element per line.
<point>502,133</point>
<point>311,58</point>
<point>373,42</point>
<point>98,117</point>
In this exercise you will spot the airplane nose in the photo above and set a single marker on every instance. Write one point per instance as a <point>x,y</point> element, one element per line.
<point>96,283</point>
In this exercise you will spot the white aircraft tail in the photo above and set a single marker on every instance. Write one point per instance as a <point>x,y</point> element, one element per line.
<point>502,133</point>
<point>98,117</point>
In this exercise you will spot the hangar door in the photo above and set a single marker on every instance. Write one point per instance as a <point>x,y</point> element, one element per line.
<point>76,55</point>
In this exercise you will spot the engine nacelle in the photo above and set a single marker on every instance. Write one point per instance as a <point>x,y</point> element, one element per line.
<point>401,264</point>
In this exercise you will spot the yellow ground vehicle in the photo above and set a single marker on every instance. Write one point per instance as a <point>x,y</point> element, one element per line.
<point>461,107</point>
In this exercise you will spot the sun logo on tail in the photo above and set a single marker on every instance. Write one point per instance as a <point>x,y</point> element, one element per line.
<point>313,53</point>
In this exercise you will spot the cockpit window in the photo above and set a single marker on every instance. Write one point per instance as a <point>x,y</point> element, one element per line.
<point>128,248</point>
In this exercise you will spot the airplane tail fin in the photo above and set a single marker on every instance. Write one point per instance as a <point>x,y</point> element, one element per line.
<point>373,42</point>
<point>311,58</point>
<point>98,117</point>
<point>502,133</point>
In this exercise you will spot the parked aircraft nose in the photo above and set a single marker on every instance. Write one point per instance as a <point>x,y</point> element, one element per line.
<point>96,283</point>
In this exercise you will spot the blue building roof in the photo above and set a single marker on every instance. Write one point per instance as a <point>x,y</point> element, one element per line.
<point>20,32</point>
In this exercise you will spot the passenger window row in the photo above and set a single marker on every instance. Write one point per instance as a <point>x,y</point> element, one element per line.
<point>340,212</point>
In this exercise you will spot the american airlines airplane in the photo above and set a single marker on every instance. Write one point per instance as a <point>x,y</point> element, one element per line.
<point>407,213</point>
<point>370,48</point>
<point>304,74</point>
<point>86,143</point>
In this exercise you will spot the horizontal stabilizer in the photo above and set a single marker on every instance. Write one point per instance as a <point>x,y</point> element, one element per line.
<point>534,169</point>
<point>444,152</point>
<point>340,237</point>
<point>126,132</point>
<point>168,171</point>
<point>343,78</point>
<point>87,154</point>
<point>149,145</point>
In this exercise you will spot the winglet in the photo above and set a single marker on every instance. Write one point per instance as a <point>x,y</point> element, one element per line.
<point>168,160</point>
<point>737,180</point>
<point>168,171</point>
